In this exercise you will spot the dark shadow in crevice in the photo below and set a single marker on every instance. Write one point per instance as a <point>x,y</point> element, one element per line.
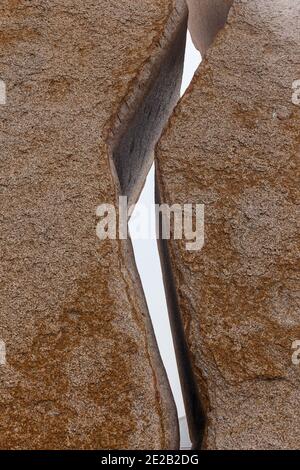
<point>139,131</point>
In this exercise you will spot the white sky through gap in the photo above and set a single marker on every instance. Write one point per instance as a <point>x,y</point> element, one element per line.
<point>148,262</point>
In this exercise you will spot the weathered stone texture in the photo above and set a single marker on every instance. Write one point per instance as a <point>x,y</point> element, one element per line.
<point>206,18</point>
<point>233,144</point>
<point>83,370</point>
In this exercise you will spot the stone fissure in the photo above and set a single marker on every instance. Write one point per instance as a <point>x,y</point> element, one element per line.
<point>233,145</point>
<point>79,365</point>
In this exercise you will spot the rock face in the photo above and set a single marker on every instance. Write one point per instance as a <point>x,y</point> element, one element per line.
<point>233,145</point>
<point>206,19</point>
<point>82,365</point>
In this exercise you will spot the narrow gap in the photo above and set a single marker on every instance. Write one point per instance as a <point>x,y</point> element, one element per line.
<point>206,20</point>
<point>149,268</point>
<point>133,136</point>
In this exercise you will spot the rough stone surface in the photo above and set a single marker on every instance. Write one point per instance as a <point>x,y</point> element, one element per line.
<point>206,18</point>
<point>83,369</point>
<point>233,144</point>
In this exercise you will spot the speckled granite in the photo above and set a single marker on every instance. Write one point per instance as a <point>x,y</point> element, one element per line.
<point>83,369</point>
<point>233,144</point>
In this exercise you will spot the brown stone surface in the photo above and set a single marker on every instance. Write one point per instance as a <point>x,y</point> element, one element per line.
<point>206,18</point>
<point>233,144</point>
<point>83,370</point>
